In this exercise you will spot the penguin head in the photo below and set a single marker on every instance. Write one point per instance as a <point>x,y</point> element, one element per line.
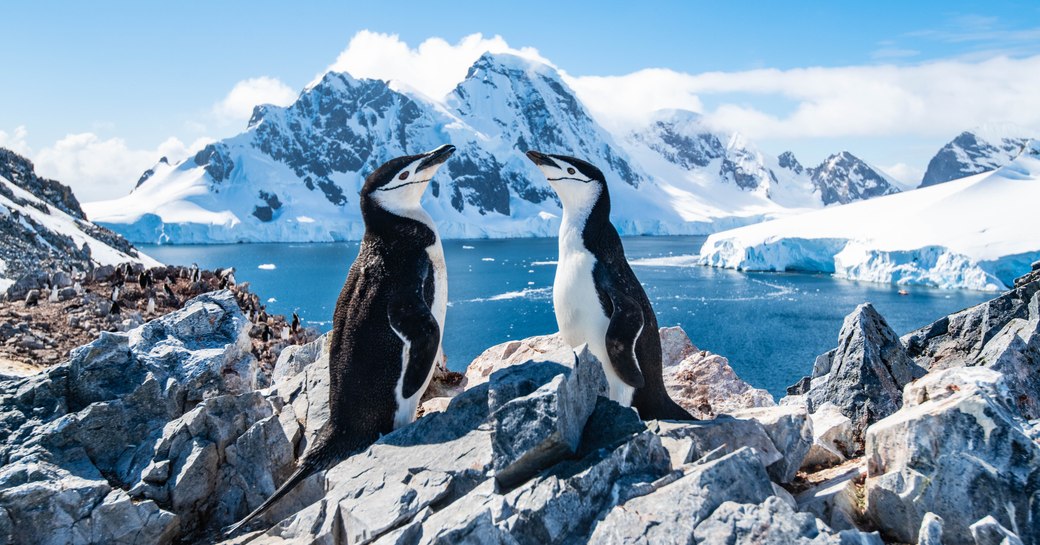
<point>578,183</point>
<point>400,182</point>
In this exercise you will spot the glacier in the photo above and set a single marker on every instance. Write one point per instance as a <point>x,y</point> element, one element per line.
<point>977,232</point>
<point>294,174</point>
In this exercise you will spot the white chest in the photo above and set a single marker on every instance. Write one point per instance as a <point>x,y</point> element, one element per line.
<point>578,311</point>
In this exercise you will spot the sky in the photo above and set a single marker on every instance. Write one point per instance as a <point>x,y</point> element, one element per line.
<point>96,92</point>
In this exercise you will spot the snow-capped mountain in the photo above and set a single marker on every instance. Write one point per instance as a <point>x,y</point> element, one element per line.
<point>979,150</point>
<point>976,232</point>
<point>843,178</point>
<point>681,138</point>
<point>294,174</point>
<point>42,225</point>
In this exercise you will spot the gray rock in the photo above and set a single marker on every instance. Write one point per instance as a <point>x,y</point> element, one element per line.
<point>1003,334</point>
<point>294,358</point>
<point>771,522</point>
<point>835,500</point>
<point>71,435</point>
<point>962,457</point>
<point>690,441</point>
<point>670,514</point>
<point>833,438</point>
<point>791,431</point>
<point>531,431</point>
<point>989,532</point>
<point>931,530</point>
<point>867,372</point>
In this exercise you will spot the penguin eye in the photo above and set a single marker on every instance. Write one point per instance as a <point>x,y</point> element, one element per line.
<point>570,170</point>
<point>403,176</point>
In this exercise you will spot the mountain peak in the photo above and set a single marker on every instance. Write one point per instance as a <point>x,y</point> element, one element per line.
<point>843,178</point>
<point>974,151</point>
<point>22,173</point>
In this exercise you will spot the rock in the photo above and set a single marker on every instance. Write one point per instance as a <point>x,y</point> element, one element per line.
<point>688,442</point>
<point>771,522</point>
<point>866,374</point>
<point>1002,334</point>
<point>541,348</point>
<point>675,346</point>
<point>95,424</point>
<point>791,431</point>
<point>531,431</point>
<point>833,438</point>
<point>988,531</point>
<point>704,384</point>
<point>292,360</point>
<point>931,530</point>
<point>961,456</point>
<point>670,513</point>
<point>835,500</point>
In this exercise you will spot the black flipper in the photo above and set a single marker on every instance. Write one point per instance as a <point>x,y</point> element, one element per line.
<point>411,318</point>
<point>626,323</point>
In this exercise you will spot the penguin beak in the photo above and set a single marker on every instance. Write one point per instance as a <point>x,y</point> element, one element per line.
<point>540,159</point>
<point>435,158</point>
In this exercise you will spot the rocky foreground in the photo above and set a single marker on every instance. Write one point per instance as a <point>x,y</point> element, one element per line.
<point>161,435</point>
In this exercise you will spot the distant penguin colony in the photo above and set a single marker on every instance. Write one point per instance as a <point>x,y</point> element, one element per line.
<point>621,331</point>
<point>388,322</point>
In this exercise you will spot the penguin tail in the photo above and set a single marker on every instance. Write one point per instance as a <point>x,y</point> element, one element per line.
<point>317,461</point>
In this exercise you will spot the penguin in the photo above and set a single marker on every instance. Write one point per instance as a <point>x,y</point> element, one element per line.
<point>283,333</point>
<point>144,280</point>
<point>597,298</point>
<point>295,325</point>
<point>265,333</point>
<point>54,294</point>
<point>174,301</point>
<point>388,321</point>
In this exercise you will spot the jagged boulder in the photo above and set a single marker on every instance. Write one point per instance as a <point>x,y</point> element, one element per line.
<point>791,431</point>
<point>958,449</point>
<point>79,434</point>
<point>1002,334</point>
<point>865,375</point>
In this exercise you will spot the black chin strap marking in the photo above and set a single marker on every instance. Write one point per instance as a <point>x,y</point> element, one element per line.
<point>402,185</point>
<point>569,178</point>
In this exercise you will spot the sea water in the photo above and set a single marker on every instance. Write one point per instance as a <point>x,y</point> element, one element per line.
<point>771,326</point>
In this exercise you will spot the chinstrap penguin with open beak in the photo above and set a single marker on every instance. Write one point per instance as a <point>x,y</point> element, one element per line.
<point>388,322</point>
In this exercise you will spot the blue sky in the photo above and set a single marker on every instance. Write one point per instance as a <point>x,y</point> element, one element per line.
<point>140,73</point>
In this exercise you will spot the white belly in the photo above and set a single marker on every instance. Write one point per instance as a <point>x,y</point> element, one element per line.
<point>578,310</point>
<point>406,407</point>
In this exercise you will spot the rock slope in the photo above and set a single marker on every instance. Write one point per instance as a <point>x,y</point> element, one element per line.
<point>160,435</point>
<point>42,227</point>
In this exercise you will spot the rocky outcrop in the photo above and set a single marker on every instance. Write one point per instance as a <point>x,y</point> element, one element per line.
<point>1002,334</point>
<point>82,439</point>
<point>702,382</point>
<point>159,435</point>
<point>958,449</point>
<point>863,377</point>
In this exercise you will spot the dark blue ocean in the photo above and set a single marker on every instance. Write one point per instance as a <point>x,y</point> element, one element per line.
<point>770,326</point>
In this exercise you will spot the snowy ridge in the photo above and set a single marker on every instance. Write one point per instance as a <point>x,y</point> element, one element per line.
<point>39,231</point>
<point>979,150</point>
<point>294,174</point>
<point>978,232</point>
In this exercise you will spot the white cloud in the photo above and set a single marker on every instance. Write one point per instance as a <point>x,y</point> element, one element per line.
<point>246,94</point>
<point>908,176</point>
<point>433,68</point>
<point>937,99</point>
<point>15,141</point>
<point>94,167</point>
